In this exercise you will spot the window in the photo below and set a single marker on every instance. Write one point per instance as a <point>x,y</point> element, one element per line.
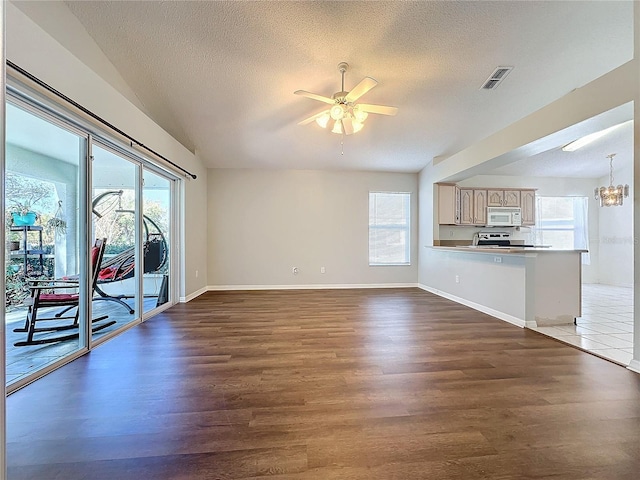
<point>562,223</point>
<point>389,228</point>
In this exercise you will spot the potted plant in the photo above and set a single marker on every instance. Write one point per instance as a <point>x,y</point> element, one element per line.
<point>13,241</point>
<point>22,213</point>
<point>57,223</point>
<point>24,195</point>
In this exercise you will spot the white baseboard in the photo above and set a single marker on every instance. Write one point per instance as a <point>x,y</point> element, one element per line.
<point>326,286</point>
<point>634,365</point>
<point>518,322</point>
<point>193,295</point>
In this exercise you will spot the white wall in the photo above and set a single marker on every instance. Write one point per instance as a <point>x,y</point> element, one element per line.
<point>615,235</point>
<point>635,195</point>
<point>427,222</point>
<point>264,222</point>
<point>482,282</point>
<point>35,50</point>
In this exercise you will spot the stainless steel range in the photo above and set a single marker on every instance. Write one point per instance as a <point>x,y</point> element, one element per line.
<point>497,239</point>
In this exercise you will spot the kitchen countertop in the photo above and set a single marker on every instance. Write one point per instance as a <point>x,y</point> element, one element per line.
<point>504,250</point>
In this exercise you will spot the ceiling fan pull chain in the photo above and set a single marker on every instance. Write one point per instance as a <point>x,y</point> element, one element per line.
<point>342,144</point>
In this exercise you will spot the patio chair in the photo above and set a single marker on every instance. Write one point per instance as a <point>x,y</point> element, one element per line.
<point>122,266</point>
<point>44,294</point>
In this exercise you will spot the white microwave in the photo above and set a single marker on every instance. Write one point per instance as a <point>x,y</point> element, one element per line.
<point>504,216</point>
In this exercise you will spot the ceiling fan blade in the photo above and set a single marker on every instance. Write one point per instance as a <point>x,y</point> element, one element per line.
<point>307,121</point>
<point>379,109</point>
<point>314,96</point>
<point>347,125</point>
<point>360,89</point>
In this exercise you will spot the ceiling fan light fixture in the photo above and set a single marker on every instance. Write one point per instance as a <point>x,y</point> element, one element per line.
<point>359,115</point>
<point>323,120</point>
<point>337,111</point>
<point>345,116</point>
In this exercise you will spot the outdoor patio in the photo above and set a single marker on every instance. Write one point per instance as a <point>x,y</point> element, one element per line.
<point>22,361</point>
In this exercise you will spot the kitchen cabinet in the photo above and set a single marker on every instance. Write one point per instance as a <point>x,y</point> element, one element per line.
<point>480,207</point>
<point>503,198</point>
<point>495,198</point>
<point>512,198</point>
<point>466,206</point>
<point>473,206</point>
<point>528,206</point>
<point>448,204</point>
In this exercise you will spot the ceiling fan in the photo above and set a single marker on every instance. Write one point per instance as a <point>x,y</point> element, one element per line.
<point>348,116</point>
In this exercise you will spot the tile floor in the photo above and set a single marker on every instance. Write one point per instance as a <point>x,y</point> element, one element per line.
<point>606,326</point>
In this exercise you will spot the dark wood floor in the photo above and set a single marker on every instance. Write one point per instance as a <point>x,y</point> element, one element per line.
<point>335,384</point>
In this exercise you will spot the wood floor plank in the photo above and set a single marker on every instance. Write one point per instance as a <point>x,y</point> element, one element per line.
<point>327,385</point>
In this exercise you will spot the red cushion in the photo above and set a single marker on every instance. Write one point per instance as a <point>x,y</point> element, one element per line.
<point>107,273</point>
<point>94,255</point>
<point>58,297</point>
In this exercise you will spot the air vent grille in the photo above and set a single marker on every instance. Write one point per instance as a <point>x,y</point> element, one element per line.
<point>498,75</point>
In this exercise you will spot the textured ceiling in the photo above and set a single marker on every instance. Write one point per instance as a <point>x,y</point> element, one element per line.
<point>220,76</point>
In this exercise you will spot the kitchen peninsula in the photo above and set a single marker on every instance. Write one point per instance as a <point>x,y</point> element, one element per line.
<point>529,287</point>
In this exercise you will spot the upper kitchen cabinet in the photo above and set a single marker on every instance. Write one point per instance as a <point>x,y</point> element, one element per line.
<point>473,206</point>
<point>503,198</point>
<point>468,206</point>
<point>480,207</point>
<point>448,204</point>
<point>512,198</point>
<point>528,206</point>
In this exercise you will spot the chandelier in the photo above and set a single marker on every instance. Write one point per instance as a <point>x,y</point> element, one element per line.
<point>611,196</point>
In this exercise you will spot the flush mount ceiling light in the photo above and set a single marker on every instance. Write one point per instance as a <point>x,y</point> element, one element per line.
<point>581,142</point>
<point>345,116</point>
<point>611,196</point>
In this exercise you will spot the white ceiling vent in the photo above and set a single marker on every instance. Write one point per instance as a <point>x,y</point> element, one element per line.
<point>496,78</point>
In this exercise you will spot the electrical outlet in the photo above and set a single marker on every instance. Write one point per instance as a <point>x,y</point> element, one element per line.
<point>294,270</point>
<point>322,270</point>
<point>497,259</point>
<point>196,273</point>
<point>457,278</point>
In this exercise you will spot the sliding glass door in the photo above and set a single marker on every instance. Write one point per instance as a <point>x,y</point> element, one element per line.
<point>89,229</point>
<point>156,204</point>
<point>115,216</point>
<point>45,165</point>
